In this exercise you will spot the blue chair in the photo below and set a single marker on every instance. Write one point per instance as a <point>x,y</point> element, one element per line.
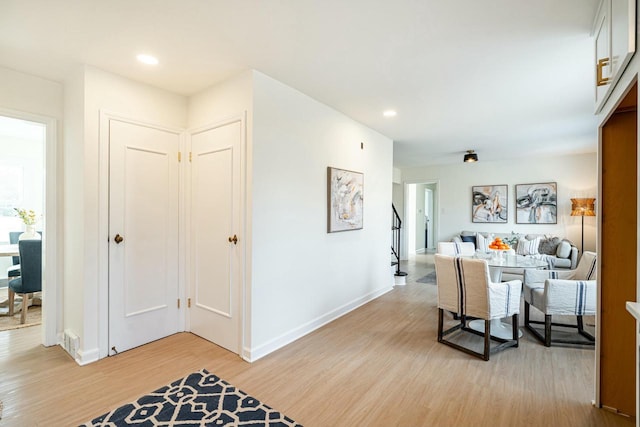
<point>14,270</point>
<point>31,279</point>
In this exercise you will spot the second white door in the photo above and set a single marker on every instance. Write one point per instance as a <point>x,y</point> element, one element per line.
<point>215,235</point>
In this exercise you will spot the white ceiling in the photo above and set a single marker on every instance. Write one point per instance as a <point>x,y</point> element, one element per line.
<point>504,77</point>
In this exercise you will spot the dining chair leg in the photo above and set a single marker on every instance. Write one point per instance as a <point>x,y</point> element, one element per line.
<point>547,330</point>
<point>25,304</point>
<point>12,297</point>
<point>487,340</point>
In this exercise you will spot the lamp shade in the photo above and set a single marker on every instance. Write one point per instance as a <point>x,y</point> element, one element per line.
<point>470,157</point>
<point>583,207</point>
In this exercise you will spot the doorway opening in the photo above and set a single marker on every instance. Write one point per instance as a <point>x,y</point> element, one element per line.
<point>27,168</point>
<point>421,217</point>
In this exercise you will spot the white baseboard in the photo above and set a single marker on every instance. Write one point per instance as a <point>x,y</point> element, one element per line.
<point>86,357</point>
<point>251,355</point>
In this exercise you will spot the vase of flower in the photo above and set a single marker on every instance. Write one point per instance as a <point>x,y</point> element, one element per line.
<point>30,233</point>
<point>29,219</point>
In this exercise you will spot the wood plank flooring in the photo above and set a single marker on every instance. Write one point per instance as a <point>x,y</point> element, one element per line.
<point>380,365</point>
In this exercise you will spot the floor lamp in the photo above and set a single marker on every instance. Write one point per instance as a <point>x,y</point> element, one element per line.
<point>582,208</point>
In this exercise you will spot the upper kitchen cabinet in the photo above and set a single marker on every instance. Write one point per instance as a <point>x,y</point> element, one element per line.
<point>615,43</point>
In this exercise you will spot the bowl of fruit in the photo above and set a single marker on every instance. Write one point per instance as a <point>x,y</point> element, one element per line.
<point>498,247</point>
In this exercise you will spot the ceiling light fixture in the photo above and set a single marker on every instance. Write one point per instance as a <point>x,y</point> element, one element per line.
<point>147,59</point>
<point>470,157</point>
<point>389,113</point>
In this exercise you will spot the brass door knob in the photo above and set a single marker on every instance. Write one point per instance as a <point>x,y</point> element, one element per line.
<point>233,239</point>
<point>118,239</point>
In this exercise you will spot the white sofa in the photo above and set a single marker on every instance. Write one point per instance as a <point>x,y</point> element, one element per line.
<point>558,252</point>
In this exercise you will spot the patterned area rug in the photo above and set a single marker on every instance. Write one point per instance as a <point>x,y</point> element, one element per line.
<point>429,278</point>
<point>34,314</point>
<point>199,399</point>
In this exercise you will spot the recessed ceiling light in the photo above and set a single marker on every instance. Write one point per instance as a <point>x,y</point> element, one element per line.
<point>389,113</point>
<point>147,59</point>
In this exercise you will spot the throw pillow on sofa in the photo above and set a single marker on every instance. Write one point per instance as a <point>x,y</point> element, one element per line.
<point>471,239</point>
<point>528,247</point>
<point>482,242</point>
<point>549,246</point>
<point>564,249</point>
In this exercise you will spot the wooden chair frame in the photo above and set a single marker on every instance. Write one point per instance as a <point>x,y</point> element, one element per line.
<point>488,350</point>
<point>546,339</point>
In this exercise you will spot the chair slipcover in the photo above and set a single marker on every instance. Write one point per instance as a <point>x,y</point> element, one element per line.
<point>465,288</point>
<point>562,292</point>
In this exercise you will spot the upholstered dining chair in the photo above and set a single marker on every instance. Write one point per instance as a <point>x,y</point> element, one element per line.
<point>30,280</point>
<point>14,270</point>
<point>562,292</point>
<point>465,288</point>
<point>456,248</point>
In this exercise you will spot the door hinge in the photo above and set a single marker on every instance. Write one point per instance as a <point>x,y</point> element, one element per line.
<point>179,156</point>
<point>189,155</point>
<point>178,302</point>
<point>189,302</point>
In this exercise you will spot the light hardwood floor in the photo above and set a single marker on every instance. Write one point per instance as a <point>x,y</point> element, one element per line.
<point>380,365</point>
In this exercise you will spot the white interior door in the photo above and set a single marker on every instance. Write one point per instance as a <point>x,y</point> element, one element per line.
<point>215,258</point>
<point>143,212</point>
<point>428,209</point>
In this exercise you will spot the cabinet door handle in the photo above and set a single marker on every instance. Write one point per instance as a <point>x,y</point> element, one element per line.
<point>601,81</point>
<point>233,239</point>
<point>118,239</point>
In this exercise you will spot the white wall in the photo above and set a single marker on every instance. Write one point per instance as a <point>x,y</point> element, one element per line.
<point>302,276</point>
<point>30,94</point>
<point>576,176</point>
<point>90,92</point>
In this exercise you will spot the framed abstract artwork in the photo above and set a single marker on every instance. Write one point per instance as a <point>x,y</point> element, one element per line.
<point>344,200</point>
<point>489,203</point>
<point>537,203</point>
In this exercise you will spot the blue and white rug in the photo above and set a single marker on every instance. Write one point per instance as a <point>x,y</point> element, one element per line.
<point>429,278</point>
<point>199,399</point>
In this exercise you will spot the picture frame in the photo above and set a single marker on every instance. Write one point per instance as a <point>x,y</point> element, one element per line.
<point>537,203</point>
<point>489,203</point>
<point>345,197</point>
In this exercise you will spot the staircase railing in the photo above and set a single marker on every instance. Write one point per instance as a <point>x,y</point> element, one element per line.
<point>396,232</point>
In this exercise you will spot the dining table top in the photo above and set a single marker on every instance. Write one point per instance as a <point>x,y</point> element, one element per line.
<point>515,261</point>
<point>9,250</point>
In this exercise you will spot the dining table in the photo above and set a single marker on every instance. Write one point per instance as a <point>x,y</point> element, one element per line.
<point>497,261</point>
<point>8,250</point>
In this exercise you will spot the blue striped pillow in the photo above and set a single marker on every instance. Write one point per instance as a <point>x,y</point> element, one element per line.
<point>528,247</point>
<point>483,242</point>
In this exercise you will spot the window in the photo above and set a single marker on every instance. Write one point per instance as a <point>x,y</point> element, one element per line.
<point>21,172</point>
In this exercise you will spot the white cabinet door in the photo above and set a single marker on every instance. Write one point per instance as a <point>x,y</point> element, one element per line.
<point>615,44</point>
<point>623,35</point>
<point>602,35</point>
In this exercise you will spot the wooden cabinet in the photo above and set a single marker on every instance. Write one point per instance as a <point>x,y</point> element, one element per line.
<point>614,34</point>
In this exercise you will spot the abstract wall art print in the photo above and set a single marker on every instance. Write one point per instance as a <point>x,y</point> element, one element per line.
<point>537,203</point>
<point>345,200</point>
<point>489,203</point>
